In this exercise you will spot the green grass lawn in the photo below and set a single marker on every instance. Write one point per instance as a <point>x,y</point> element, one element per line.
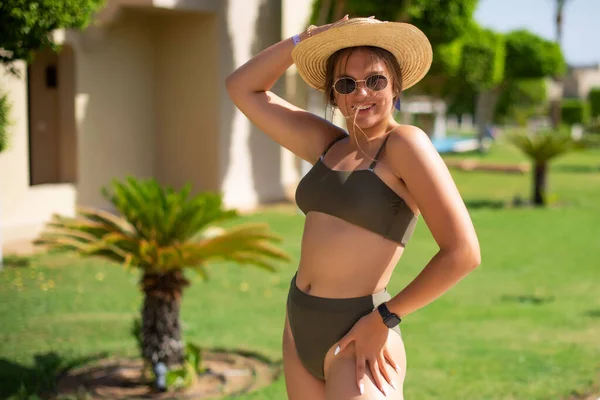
<point>525,325</point>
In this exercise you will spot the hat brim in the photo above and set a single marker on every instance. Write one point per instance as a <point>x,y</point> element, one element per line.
<point>406,42</point>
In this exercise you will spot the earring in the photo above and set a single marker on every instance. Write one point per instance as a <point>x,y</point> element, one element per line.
<point>397,104</point>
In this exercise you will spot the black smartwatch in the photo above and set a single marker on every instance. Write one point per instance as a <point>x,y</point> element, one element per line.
<point>389,319</point>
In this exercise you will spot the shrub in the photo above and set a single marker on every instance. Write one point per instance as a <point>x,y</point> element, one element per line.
<point>574,111</point>
<point>4,122</point>
<point>594,99</point>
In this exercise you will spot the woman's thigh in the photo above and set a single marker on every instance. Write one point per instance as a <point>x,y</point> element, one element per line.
<point>341,375</point>
<point>300,384</point>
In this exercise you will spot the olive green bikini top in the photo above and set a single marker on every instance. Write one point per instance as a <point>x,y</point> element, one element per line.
<point>359,197</point>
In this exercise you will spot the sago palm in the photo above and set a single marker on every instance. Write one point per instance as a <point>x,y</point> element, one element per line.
<point>162,232</point>
<point>541,148</point>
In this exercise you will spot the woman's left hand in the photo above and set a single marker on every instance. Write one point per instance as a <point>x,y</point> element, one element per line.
<point>370,335</point>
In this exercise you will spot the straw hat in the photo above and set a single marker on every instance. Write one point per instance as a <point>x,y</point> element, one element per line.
<point>406,42</point>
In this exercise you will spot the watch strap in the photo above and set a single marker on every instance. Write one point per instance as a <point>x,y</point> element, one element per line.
<point>389,319</point>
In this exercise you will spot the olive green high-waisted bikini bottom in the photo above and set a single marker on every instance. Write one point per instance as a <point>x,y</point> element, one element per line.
<point>317,323</point>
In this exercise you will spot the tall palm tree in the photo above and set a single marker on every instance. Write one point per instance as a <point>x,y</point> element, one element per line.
<point>555,102</point>
<point>541,148</point>
<point>162,232</point>
<point>560,7</point>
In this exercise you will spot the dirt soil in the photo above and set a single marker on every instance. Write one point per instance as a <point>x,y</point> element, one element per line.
<point>226,374</point>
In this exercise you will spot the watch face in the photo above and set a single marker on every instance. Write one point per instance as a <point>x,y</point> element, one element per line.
<point>392,320</point>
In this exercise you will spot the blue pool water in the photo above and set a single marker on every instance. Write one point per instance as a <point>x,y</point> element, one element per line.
<point>454,144</point>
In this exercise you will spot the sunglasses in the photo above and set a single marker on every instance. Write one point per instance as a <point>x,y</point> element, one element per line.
<point>348,85</point>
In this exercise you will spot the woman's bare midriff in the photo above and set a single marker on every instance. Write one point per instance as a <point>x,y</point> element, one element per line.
<point>341,260</point>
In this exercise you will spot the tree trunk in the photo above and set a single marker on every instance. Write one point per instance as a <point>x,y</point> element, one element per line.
<point>484,111</point>
<point>323,12</point>
<point>555,109</point>
<point>560,6</point>
<point>161,327</point>
<point>403,15</point>
<point>339,11</point>
<point>539,183</point>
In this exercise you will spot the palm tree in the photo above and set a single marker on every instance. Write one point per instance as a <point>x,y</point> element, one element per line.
<point>541,148</point>
<point>560,7</point>
<point>555,102</point>
<point>162,232</point>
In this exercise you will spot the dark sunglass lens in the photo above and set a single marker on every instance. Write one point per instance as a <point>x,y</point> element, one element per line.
<point>376,82</point>
<point>345,86</point>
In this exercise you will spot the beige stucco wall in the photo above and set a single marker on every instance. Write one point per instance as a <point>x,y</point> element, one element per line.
<point>114,105</point>
<point>296,15</point>
<point>148,99</point>
<point>580,80</point>
<point>187,124</point>
<point>296,18</point>
<point>588,80</point>
<point>250,162</point>
<point>22,208</point>
<point>199,137</point>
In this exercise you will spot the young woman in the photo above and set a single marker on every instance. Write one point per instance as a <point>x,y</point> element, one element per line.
<point>362,199</point>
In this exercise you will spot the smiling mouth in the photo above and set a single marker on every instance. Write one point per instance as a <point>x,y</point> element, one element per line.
<point>363,107</point>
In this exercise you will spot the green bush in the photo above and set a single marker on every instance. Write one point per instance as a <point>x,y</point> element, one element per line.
<point>594,99</point>
<point>574,111</point>
<point>593,126</point>
<point>25,26</point>
<point>521,99</point>
<point>483,57</point>
<point>531,56</point>
<point>4,122</point>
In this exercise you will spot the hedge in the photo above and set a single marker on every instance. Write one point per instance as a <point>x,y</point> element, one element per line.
<point>574,111</point>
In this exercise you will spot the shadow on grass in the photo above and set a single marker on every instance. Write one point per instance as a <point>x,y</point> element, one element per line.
<point>474,154</point>
<point>485,203</point>
<point>527,299</point>
<point>586,169</point>
<point>22,381</point>
<point>592,313</point>
<point>14,260</point>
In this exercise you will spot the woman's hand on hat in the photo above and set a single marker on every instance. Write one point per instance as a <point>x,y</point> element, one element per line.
<point>323,28</point>
<point>369,336</point>
<point>320,29</point>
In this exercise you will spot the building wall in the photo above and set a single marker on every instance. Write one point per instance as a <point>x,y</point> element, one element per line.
<point>114,105</point>
<point>250,162</point>
<point>148,99</point>
<point>22,206</point>
<point>588,80</point>
<point>580,80</point>
<point>296,15</point>
<point>187,110</point>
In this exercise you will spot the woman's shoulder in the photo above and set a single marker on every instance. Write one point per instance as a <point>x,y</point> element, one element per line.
<point>409,137</point>
<point>411,153</point>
